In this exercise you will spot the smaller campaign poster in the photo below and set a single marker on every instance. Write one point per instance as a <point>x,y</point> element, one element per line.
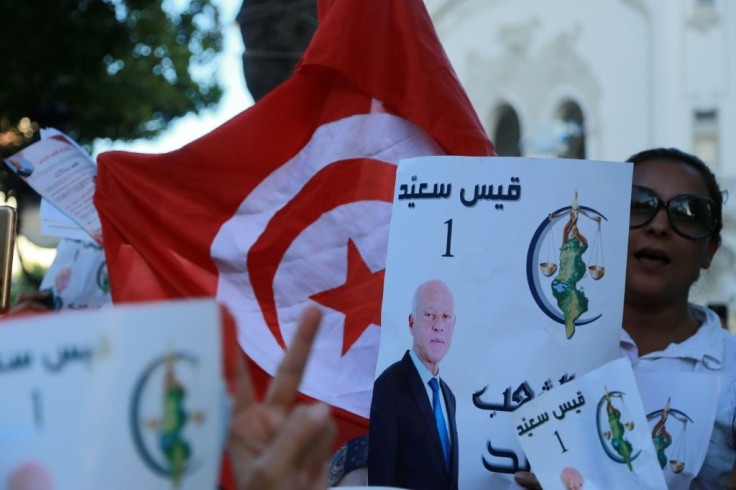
<point>681,411</point>
<point>115,398</point>
<point>592,433</point>
<point>62,173</point>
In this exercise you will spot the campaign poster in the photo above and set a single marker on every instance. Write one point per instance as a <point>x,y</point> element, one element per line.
<point>591,433</point>
<point>533,252</point>
<point>114,398</point>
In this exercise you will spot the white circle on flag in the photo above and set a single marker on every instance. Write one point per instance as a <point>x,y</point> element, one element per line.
<point>316,259</point>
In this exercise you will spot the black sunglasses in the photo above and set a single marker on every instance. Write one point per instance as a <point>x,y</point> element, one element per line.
<point>690,216</point>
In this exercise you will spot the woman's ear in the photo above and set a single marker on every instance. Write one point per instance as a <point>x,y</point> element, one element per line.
<point>712,249</point>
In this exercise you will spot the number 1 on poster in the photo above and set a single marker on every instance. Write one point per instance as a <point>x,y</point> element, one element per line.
<point>448,246</point>
<point>559,439</point>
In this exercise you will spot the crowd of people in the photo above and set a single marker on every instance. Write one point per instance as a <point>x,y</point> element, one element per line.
<point>675,231</point>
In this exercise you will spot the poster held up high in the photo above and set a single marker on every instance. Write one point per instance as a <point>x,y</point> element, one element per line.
<point>534,254</point>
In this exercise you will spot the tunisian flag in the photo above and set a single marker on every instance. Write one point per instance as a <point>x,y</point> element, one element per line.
<point>289,202</point>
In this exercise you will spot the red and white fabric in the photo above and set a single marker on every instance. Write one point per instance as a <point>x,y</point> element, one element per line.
<point>289,202</point>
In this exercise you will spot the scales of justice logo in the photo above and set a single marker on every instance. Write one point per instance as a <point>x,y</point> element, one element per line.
<point>613,421</point>
<point>561,258</point>
<point>669,435</point>
<point>162,423</point>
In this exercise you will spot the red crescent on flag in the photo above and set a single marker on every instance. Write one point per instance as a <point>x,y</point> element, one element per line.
<point>339,183</point>
<point>289,240</point>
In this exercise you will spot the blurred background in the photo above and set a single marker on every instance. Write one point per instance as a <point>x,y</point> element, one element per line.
<point>571,78</point>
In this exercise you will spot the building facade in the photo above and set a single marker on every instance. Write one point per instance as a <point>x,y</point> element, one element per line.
<point>602,80</point>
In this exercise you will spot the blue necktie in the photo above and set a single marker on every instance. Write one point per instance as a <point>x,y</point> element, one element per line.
<point>440,420</point>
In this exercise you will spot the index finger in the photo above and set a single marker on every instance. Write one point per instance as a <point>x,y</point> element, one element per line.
<point>283,388</point>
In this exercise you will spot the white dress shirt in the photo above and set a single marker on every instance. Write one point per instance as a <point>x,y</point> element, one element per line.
<point>426,375</point>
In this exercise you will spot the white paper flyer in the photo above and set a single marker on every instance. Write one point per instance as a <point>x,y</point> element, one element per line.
<point>60,171</point>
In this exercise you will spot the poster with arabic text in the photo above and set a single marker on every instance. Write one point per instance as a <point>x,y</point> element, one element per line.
<point>533,253</point>
<point>591,434</point>
<point>114,398</point>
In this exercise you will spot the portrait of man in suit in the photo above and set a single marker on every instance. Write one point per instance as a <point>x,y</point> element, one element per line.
<point>413,436</point>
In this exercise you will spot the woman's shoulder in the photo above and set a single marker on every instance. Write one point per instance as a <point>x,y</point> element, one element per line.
<point>710,318</point>
<point>712,322</point>
<point>729,341</point>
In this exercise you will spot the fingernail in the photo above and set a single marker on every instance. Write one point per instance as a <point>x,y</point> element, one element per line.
<point>318,411</point>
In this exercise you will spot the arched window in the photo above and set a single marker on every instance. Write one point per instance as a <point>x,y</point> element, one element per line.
<point>571,116</point>
<point>507,132</point>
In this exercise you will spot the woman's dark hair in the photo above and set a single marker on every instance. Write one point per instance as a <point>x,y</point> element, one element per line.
<point>679,156</point>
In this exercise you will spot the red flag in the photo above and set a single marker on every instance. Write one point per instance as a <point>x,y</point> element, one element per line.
<point>289,202</point>
<point>323,6</point>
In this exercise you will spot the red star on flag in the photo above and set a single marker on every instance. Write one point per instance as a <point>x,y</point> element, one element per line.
<point>359,298</point>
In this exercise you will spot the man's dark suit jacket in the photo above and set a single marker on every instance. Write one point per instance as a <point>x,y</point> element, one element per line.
<point>404,444</point>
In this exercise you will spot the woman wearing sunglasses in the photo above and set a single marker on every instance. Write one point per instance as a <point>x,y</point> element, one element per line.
<point>675,230</point>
